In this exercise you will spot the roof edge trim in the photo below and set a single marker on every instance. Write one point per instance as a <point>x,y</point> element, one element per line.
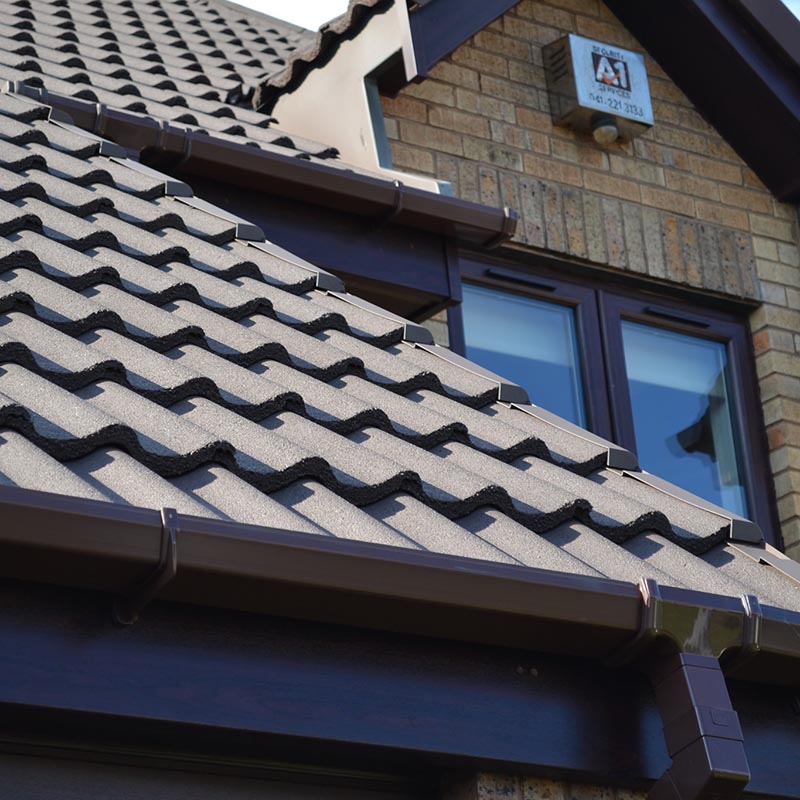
<point>198,153</point>
<point>275,571</point>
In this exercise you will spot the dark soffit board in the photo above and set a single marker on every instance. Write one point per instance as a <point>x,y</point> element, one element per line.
<point>739,77</point>
<point>439,26</point>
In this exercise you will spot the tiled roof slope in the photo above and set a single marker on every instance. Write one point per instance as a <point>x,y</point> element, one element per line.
<point>149,357</point>
<point>194,62</point>
<point>317,52</point>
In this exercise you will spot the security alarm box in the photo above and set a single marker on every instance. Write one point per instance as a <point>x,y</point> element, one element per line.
<point>590,82</point>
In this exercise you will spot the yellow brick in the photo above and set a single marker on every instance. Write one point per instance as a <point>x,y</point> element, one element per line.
<point>722,215</point>
<point>669,201</point>
<point>481,61</point>
<point>743,198</point>
<point>772,228</point>
<point>716,170</point>
<point>689,184</point>
<point>610,185</point>
<point>550,170</point>
<point>637,169</point>
<point>587,155</point>
<point>461,121</point>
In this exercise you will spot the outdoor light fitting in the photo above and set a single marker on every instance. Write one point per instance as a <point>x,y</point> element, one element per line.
<point>604,129</point>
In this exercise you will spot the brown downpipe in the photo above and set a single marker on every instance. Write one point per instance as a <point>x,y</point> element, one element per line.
<point>679,647</point>
<point>681,638</point>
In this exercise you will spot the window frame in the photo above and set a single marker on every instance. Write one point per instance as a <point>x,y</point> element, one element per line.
<point>510,277</point>
<point>600,306</point>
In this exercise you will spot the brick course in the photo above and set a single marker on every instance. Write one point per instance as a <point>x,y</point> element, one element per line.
<point>498,786</point>
<point>676,204</point>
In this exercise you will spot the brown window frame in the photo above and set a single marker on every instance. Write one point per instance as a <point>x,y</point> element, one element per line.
<point>600,303</point>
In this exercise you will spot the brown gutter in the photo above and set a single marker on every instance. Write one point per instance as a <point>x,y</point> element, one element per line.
<point>683,639</point>
<point>109,547</point>
<point>173,147</point>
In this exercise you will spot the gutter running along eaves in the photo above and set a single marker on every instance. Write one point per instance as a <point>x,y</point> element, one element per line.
<point>687,642</point>
<point>169,146</point>
<point>108,547</point>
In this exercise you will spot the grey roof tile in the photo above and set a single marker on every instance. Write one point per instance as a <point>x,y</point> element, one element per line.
<point>56,305</point>
<point>694,528</point>
<point>20,133</point>
<point>16,158</point>
<point>62,264</point>
<point>180,366</point>
<point>431,531</point>
<point>601,554</point>
<point>141,320</point>
<point>151,248</point>
<point>24,464</point>
<point>486,431</point>
<point>661,553</point>
<point>16,186</point>
<point>22,109</point>
<point>767,584</point>
<point>120,478</point>
<point>334,514</point>
<point>405,418</point>
<point>63,165</point>
<point>69,196</point>
<point>40,348</point>
<point>250,394</point>
<point>65,227</point>
<point>522,545</point>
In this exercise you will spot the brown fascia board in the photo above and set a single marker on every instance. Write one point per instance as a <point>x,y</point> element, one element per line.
<point>173,147</point>
<point>107,547</point>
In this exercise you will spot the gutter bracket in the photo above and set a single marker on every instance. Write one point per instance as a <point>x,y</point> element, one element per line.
<point>130,603</point>
<point>679,647</point>
<point>397,206</point>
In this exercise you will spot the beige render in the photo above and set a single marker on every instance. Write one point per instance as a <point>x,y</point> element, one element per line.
<point>677,204</point>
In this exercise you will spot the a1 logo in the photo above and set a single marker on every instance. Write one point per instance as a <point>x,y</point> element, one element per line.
<point>611,72</point>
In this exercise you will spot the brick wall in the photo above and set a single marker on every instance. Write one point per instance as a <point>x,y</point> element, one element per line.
<point>676,204</point>
<point>495,786</point>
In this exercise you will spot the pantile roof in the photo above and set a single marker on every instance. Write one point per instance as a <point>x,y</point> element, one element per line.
<point>192,62</point>
<point>156,351</point>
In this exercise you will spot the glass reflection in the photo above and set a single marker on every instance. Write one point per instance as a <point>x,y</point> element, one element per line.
<point>527,341</point>
<point>682,412</point>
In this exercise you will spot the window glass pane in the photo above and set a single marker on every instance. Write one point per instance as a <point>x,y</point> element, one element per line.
<point>682,412</point>
<point>529,342</point>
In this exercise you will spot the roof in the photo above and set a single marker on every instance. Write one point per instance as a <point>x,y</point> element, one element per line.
<point>317,52</point>
<point>150,357</point>
<point>192,62</point>
<point>157,352</point>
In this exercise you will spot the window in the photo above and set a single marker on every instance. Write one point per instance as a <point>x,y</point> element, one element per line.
<point>670,381</point>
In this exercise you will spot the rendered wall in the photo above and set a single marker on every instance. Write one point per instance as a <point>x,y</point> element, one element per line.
<point>677,205</point>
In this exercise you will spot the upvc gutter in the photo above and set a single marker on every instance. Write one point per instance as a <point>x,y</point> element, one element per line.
<point>174,147</point>
<point>109,547</point>
<point>686,641</point>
